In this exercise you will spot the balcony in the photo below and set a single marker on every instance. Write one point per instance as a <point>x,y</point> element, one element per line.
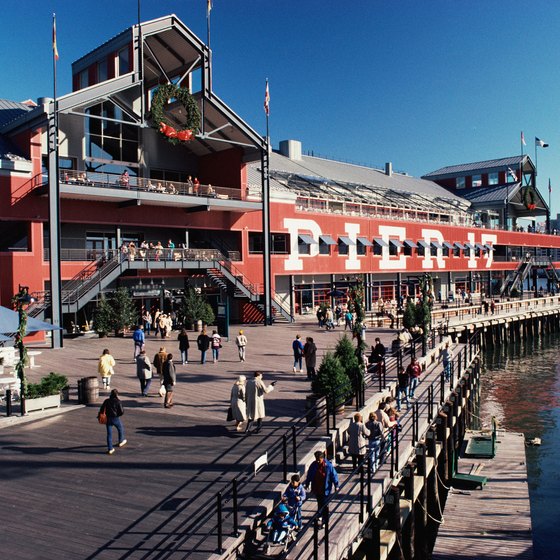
<point>140,191</point>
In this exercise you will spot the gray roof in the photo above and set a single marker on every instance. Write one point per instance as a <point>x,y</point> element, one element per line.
<point>491,195</point>
<point>487,165</point>
<point>11,110</point>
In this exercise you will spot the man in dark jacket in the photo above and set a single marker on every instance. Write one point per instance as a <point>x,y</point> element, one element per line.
<point>169,380</point>
<point>113,409</point>
<point>203,343</point>
<point>322,478</point>
<point>377,354</point>
<point>310,355</point>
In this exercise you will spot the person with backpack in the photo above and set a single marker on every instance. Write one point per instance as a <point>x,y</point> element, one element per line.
<point>112,409</point>
<point>297,348</point>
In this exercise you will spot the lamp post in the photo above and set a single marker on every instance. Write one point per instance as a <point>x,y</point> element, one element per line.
<point>20,301</point>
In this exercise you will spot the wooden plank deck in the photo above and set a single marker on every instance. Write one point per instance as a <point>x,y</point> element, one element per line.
<point>494,522</point>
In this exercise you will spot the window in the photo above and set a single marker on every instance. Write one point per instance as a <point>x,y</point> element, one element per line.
<point>460,182</point>
<point>325,242</point>
<point>256,242</point>
<point>107,140</point>
<point>280,243</point>
<point>493,178</point>
<point>14,237</point>
<point>102,73</point>
<point>477,180</point>
<point>124,65</point>
<point>83,79</point>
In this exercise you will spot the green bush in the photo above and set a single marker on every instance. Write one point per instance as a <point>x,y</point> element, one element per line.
<point>51,384</point>
<point>346,353</point>
<point>103,318</point>
<point>196,308</point>
<point>332,379</point>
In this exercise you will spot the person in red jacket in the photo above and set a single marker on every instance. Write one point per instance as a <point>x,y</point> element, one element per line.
<point>414,371</point>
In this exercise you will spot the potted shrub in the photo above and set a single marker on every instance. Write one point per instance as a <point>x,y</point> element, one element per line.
<point>46,393</point>
<point>346,353</point>
<point>103,318</point>
<point>332,381</point>
<point>195,308</point>
<point>125,313</point>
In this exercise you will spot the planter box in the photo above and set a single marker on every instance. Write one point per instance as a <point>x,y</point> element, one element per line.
<point>52,401</point>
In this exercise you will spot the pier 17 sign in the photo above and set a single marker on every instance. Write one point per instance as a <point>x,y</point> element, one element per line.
<point>388,247</point>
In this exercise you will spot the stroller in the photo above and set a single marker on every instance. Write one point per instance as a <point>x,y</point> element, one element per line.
<point>281,530</point>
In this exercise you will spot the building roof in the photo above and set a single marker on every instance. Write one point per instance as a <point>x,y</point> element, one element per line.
<point>488,165</point>
<point>495,194</point>
<point>11,110</point>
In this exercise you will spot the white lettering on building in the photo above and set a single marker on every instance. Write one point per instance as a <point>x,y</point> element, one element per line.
<point>352,262</point>
<point>487,239</point>
<point>430,235</point>
<point>295,227</point>
<point>388,262</point>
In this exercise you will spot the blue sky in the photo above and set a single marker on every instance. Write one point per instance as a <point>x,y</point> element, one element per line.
<point>423,84</point>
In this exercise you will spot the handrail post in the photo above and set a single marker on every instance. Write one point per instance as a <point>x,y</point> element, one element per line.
<point>285,457</point>
<point>316,538</point>
<point>327,531</point>
<point>441,388</point>
<point>380,369</point>
<point>430,403</point>
<point>294,448</point>
<point>220,527</point>
<point>8,402</point>
<point>235,508</point>
<point>362,492</point>
<point>369,497</point>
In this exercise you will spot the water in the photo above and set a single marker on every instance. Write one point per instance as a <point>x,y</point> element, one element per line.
<point>521,387</point>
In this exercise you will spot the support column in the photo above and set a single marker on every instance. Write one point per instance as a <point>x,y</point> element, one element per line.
<point>266,233</point>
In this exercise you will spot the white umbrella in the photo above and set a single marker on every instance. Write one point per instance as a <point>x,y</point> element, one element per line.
<point>9,323</point>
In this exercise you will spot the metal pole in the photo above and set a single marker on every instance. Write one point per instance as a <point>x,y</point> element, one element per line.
<point>220,528</point>
<point>285,457</point>
<point>362,492</point>
<point>235,509</point>
<point>294,448</point>
<point>8,402</point>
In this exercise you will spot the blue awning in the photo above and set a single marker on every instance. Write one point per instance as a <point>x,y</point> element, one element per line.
<point>346,240</point>
<point>306,239</point>
<point>327,239</point>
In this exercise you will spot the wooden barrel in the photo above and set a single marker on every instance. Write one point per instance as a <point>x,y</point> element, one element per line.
<point>91,390</point>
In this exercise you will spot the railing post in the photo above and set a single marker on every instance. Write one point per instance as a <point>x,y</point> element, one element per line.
<point>369,497</point>
<point>220,527</point>
<point>334,410</point>
<point>362,492</point>
<point>235,508</point>
<point>285,457</point>
<point>294,448</point>
<point>316,538</point>
<point>430,403</point>
<point>399,358</point>
<point>8,402</point>
<point>326,537</point>
<point>441,388</point>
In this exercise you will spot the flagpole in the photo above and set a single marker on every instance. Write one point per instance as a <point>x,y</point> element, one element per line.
<point>208,10</point>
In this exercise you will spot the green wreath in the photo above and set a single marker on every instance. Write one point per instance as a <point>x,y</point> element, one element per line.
<point>161,98</point>
<point>530,198</point>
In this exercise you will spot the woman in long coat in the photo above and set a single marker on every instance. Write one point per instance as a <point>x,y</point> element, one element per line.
<point>310,355</point>
<point>357,439</point>
<point>238,407</point>
<point>256,390</point>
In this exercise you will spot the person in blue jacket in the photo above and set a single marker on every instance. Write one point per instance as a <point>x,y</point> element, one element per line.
<point>280,524</point>
<point>297,347</point>
<point>322,478</point>
<point>138,337</point>
<point>295,496</point>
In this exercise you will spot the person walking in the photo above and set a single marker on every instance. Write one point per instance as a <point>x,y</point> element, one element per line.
<point>237,402</point>
<point>169,380</point>
<point>348,320</point>
<point>113,409</point>
<point>139,340</point>
<point>105,368</point>
<point>159,360</point>
<point>446,356</point>
<point>403,381</point>
<point>357,439</point>
<point>147,318</point>
<point>297,348</point>
<point>378,352</point>
<point>310,355</point>
<point>256,390</point>
<point>295,495</point>
<point>241,342</point>
<point>321,479</point>
<point>144,372</point>
<point>375,439</point>
<point>414,371</point>
<point>216,345</point>
<point>184,345</point>
<point>203,343</point>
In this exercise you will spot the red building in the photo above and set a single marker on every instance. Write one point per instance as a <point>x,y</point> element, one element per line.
<point>99,173</point>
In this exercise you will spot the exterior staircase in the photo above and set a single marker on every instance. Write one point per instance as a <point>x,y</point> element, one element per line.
<point>99,274</point>
<point>515,279</point>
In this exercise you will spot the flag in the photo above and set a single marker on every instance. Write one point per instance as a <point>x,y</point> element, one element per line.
<point>208,7</point>
<point>541,143</point>
<point>549,185</point>
<point>266,100</point>
<point>55,48</point>
<point>512,174</point>
<point>523,139</point>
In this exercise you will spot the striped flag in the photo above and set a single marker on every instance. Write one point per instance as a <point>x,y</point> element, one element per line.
<point>208,7</point>
<point>55,48</point>
<point>523,139</point>
<point>549,186</point>
<point>541,143</point>
<point>512,174</point>
<point>266,100</point>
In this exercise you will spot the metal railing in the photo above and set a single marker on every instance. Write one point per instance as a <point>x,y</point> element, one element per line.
<point>115,181</point>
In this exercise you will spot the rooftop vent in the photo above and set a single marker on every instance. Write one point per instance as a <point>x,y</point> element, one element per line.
<point>291,149</point>
<point>389,169</point>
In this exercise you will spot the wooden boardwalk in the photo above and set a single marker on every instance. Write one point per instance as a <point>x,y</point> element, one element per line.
<point>494,522</point>
<point>63,497</point>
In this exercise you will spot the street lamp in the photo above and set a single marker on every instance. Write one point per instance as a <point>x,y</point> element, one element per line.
<point>20,301</point>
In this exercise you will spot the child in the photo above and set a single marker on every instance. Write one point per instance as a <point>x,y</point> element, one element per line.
<point>280,524</point>
<point>295,496</point>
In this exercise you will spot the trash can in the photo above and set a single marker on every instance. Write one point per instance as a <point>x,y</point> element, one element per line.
<point>90,390</point>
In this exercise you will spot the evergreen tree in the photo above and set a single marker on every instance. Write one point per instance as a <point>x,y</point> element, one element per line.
<point>103,318</point>
<point>332,380</point>
<point>125,314</point>
<point>195,308</point>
